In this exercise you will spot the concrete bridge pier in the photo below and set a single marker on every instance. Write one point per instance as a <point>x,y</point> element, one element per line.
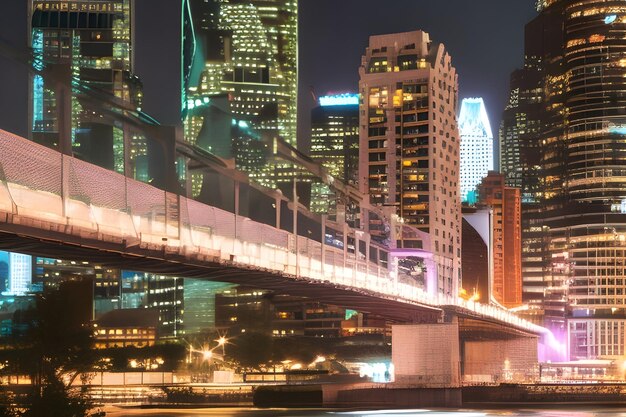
<point>510,360</point>
<point>426,355</point>
<point>461,351</point>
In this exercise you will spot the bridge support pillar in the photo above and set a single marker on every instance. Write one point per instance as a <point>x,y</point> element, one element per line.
<point>510,360</point>
<point>426,354</point>
<point>278,202</point>
<point>63,95</point>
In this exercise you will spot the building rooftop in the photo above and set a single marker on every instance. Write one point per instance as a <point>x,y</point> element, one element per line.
<point>137,317</point>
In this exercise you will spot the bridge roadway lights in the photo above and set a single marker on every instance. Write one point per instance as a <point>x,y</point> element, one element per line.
<point>436,356</point>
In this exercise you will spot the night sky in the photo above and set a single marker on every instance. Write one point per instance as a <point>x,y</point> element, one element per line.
<point>484,37</point>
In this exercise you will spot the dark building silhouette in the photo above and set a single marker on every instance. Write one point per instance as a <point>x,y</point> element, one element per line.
<point>576,52</point>
<point>475,257</point>
<point>4,275</point>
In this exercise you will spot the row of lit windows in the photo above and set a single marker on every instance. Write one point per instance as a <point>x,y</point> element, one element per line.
<point>118,332</point>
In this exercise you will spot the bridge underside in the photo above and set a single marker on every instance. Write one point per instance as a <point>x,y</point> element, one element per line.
<point>483,330</point>
<point>59,245</point>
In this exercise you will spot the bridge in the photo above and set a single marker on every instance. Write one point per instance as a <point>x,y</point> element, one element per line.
<point>52,204</point>
<point>55,205</point>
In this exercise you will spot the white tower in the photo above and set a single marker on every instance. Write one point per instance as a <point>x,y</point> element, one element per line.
<point>20,273</point>
<point>476,145</point>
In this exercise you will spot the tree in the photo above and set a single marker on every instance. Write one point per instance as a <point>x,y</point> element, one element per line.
<point>7,405</point>
<point>61,338</point>
<point>56,348</point>
<point>55,400</point>
<point>298,349</point>
<point>251,349</point>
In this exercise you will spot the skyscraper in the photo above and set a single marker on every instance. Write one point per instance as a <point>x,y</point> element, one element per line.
<point>583,171</point>
<point>87,43</point>
<point>199,302</point>
<point>166,294</point>
<point>409,143</point>
<point>476,146</point>
<point>335,145</point>
<point>520,145</point>
<point>586,177</point>
<point>20,273</point>
<point>246,50</point>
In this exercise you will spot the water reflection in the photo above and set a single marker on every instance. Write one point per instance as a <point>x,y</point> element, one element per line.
<point>252,412</point>
<point>411,413</point>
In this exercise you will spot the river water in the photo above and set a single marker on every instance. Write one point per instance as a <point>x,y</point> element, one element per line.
<point>252,412</point>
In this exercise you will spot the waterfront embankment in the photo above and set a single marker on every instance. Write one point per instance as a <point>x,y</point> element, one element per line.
<point>598,393</point>
<point>395,395</point>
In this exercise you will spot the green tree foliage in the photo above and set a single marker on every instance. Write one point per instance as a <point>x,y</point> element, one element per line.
<point>56,347</point>
<point>296,349</point>
<point>7,405</point>
<point>172,355</point>
<point>61,340</point>
<point>55,400</point>
<point>251,349</point>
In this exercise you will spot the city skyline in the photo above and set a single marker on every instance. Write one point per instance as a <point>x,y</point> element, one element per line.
<point>418,209</point>
<point>473,34</point>
<point>216,194</point>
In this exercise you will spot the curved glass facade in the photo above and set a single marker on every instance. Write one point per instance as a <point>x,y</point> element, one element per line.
<point>476,145</point>
<point>584,161</point>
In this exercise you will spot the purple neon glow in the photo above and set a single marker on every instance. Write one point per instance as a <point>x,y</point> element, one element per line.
<point>553,348</point>
<point>404,253</point>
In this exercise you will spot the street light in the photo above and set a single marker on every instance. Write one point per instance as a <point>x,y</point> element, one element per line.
<point>221,341</point>
<point>207,352</point>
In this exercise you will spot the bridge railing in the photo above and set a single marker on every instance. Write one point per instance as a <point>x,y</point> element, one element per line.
<point>40,187</point>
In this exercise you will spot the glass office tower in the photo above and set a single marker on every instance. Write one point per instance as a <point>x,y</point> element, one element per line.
<point>247,52</point>
<point>335,145</point>
<point>523,120</point>
<point>582,170</point>
<point>85,46</point>
<point>476,146</point>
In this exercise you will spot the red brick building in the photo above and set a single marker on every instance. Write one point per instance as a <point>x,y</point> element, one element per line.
<point>507,238</point>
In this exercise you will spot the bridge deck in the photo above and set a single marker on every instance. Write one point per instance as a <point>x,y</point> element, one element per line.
<point>55,204</point>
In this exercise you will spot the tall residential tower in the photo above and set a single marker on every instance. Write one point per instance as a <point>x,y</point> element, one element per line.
<point>409,143</point>
<point>505,205</point>
<point>523,120</point>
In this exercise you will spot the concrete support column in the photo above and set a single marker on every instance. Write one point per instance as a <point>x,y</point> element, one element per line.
<point>188,180</point>
<point>278,200</point>
<point>63,96</point>
<point>65,182</point>
<point>510,360</point>
<point>236,197</point>
<point>323,257</point>
<point>128,144</point>
<point>357,260</point>
<point>345,246</point>
<point>295,225</point>
<point>426,355</point>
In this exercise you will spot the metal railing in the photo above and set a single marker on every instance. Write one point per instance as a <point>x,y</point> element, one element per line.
<point>41,186</point>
